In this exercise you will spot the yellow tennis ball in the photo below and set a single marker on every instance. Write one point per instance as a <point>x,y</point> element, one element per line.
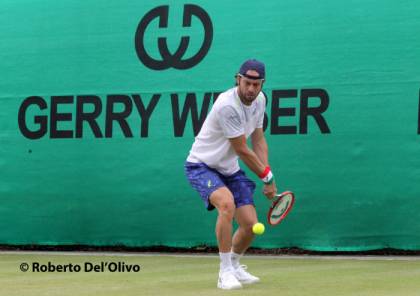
<point>258,228</point>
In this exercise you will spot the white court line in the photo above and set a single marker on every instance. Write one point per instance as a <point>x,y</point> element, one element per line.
<point>200,255</point>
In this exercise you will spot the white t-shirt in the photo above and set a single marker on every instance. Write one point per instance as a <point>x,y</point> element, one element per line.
<point>228,118</point>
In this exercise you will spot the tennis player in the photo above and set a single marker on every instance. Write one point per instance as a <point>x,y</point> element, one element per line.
<point>213,170</point>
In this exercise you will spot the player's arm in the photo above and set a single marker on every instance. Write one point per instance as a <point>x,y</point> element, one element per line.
<point>251,159</point>
<point>233,129</point>
<point>259,145</point>
<point>248,156</point>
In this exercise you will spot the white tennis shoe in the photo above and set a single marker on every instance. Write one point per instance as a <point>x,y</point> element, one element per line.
<point>228,281</point>
<point>245,277</point>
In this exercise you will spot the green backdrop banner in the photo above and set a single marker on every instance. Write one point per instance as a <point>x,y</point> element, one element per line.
<point>101,102</point>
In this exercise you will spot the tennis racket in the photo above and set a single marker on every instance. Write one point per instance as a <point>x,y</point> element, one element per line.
<point>280,207</point>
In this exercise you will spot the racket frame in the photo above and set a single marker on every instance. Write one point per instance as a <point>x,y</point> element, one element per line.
<point>278,198</point>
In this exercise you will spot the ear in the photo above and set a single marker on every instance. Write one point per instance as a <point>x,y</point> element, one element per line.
<point>238,78</point>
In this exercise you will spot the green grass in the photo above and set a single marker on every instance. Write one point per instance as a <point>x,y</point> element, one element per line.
<point>168,275</point>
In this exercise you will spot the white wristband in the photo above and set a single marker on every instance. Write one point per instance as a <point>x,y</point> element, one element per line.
<point>267,178</point>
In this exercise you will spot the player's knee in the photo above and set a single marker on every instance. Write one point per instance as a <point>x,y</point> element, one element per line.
<point>247,227</point>
<point>227,209</point>
<point>222,199</point>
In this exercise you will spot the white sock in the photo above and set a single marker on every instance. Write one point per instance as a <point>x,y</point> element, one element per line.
<point>225,261</point>
<point>235,259</point>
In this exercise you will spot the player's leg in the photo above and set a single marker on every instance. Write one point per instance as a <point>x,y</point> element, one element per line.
<point>222,200</point>
<point>246,217</point>
<point>242,189</point>
<point>215,194</point>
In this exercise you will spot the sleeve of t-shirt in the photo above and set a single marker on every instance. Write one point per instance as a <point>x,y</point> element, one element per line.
<point>261,107</point>
<point>231,122</point>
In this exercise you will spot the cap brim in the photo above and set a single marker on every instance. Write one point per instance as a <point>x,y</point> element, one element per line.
<point>250,76</point>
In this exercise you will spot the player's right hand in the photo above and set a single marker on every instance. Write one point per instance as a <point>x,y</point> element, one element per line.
<point>270,190</point>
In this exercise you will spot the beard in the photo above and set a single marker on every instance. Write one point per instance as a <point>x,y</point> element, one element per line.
<point>247,97</point>
<point>250,96</point>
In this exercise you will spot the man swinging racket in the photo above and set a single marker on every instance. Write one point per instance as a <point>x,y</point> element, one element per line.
<point>213,170</point>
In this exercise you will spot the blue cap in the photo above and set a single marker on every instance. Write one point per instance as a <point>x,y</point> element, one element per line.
<point>255,65</point>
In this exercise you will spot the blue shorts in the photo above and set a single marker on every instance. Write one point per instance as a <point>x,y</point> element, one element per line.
<point>206,180</point>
